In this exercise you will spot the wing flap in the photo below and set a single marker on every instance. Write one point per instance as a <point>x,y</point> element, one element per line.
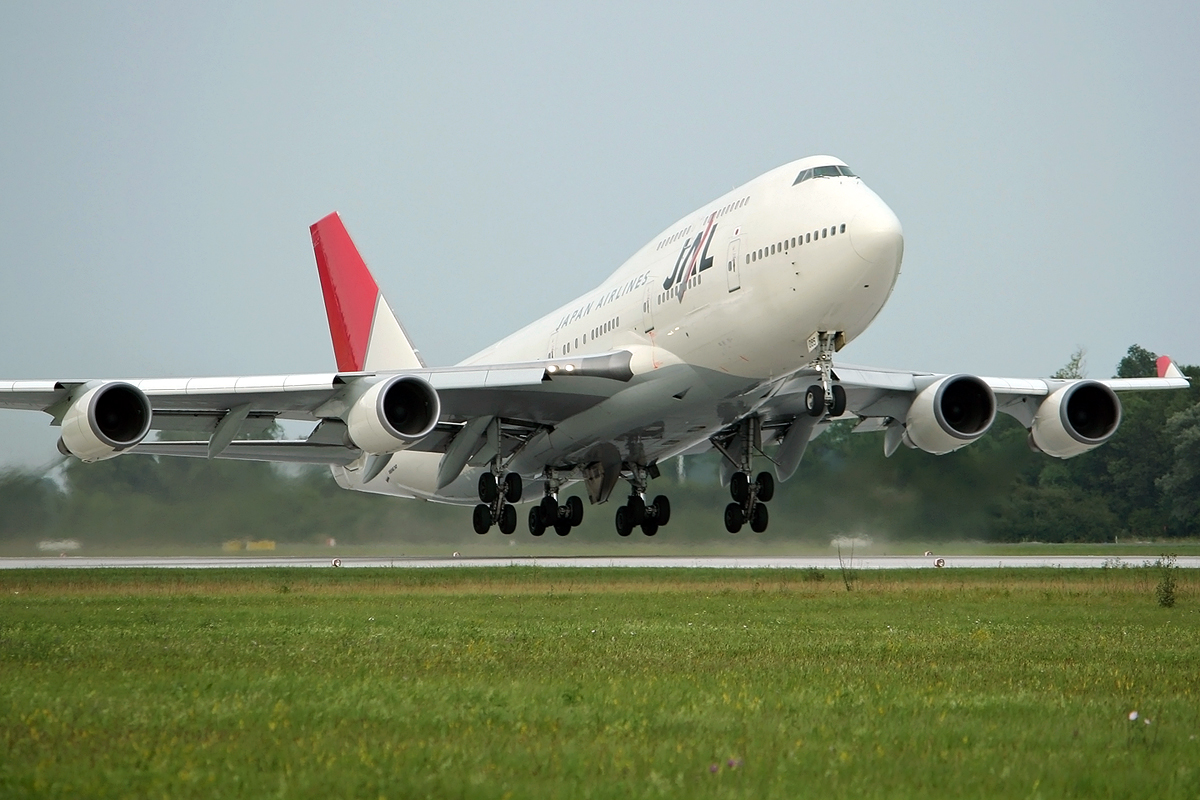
<point>287,452</point>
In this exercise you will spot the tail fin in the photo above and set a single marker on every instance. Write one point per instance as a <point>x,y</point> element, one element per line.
<point>366,335</point>
<point>1167,368</point>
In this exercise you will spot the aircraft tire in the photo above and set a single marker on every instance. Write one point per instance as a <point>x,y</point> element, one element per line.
<point>481,519</point>
<point>662,509</point>
<point>624,525</point>
<point>766,486</point>
<point>759,518</point>
<point>508,519</point>
<point>739,487</point>
<point>649,527</point>
<point>562,527</point>
<point>513,486</point>
<point>734,518</point>
<point>575,511</point>
<point>839,401</point>
<point>814,400</point>
<point>637,510</point>
<point>549,509</point>
<point>488,490</point>
<point>536,526</point>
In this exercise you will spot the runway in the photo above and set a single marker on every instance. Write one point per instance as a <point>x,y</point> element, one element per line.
<point>665,562</point>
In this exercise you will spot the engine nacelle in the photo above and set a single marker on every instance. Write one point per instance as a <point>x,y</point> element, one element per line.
<point>393,414</point>
<point>950,413</point>
<point>105,421</point>
<point>1076,418</point>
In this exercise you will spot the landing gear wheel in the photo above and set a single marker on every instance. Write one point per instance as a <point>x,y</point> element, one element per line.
<point>574,511</point>
<point>549,509</point>
<point>839,401</point>
<point>758,518</point>
<point>562,527</point>
<point>734,518</point>
<point>536,526</point>
<point>637,510</point>
<point>481,519</point>
<point>512,487</point>
<point>508,519</point>
<point>739,487</point>
<point>488,490</point>
<point>814,400</point>
<point>766,486</point>
<point>649,527</point>
<point>624,524</point>
<point>662,510</point>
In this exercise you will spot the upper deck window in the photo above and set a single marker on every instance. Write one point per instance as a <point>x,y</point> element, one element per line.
<point>831,171</point>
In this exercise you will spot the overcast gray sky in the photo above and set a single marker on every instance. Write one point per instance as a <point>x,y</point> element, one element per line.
<point>160,165</point>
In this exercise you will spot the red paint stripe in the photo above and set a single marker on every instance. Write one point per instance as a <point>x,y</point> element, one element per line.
<point>1163,363</point>
<point>350,292</point>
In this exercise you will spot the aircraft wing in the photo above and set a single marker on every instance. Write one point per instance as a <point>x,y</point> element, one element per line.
<point>940,413</point>
<point>103,418</point>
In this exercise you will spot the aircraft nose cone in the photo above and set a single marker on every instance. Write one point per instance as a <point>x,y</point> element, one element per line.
<point>876,235</point>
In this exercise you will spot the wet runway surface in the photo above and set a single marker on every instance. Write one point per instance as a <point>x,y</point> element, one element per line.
<point>698,562</point>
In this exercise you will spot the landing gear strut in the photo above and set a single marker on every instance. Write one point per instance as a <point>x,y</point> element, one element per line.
<point>749,496</point>
<point>549,514</point>
<point>636,511</point>
<point>496,497</point>
<point>826,396</point>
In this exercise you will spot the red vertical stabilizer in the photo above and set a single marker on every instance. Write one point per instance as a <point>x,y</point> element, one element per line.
<point>366,334</point>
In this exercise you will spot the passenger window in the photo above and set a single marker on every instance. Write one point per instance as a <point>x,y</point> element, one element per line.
<point>793,241</point>
<point>843,227</point>
<point>808,237</point>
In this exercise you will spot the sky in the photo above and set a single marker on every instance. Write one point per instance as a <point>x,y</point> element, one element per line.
<point>160,164</point>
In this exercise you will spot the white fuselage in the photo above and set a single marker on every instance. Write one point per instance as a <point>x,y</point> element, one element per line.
<point>777,261</point>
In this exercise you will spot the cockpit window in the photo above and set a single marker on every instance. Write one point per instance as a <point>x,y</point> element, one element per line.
<point>831,171</point>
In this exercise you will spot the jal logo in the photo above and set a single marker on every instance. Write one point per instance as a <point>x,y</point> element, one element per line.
<point>693,257</point>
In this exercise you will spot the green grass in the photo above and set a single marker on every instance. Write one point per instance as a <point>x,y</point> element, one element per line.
<point>529,682</point>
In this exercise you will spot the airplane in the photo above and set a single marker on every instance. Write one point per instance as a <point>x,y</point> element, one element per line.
<point>718,334</point>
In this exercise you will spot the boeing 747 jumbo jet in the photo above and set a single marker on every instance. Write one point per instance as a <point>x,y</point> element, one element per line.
<point>720,333</point>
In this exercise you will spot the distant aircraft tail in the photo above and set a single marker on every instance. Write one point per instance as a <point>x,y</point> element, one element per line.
<point>366,335</point>
<point>1167,368</point>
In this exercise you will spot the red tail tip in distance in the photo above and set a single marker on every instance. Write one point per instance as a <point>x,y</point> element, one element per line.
<point>1167,368</point>
<point>350,290</point>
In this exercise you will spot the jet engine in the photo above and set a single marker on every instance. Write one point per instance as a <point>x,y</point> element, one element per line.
<point>105,421</point>
<point>1076,418</point>
<point>950,413</point>
<point>393,414</point>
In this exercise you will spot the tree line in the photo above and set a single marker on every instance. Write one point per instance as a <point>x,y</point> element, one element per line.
<point>1144,484</point>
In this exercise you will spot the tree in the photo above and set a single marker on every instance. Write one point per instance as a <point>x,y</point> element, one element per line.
<point>1138,363</point>
<point>1075,368</point>
<point>1181,483</point>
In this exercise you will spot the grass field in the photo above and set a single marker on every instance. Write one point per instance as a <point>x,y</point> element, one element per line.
<point>527,682</point>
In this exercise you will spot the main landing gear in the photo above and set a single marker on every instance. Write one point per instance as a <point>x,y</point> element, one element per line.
<point>549,514</point>
<point>496,498</point>
<point>750,497</point>
<point>637,512</point>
